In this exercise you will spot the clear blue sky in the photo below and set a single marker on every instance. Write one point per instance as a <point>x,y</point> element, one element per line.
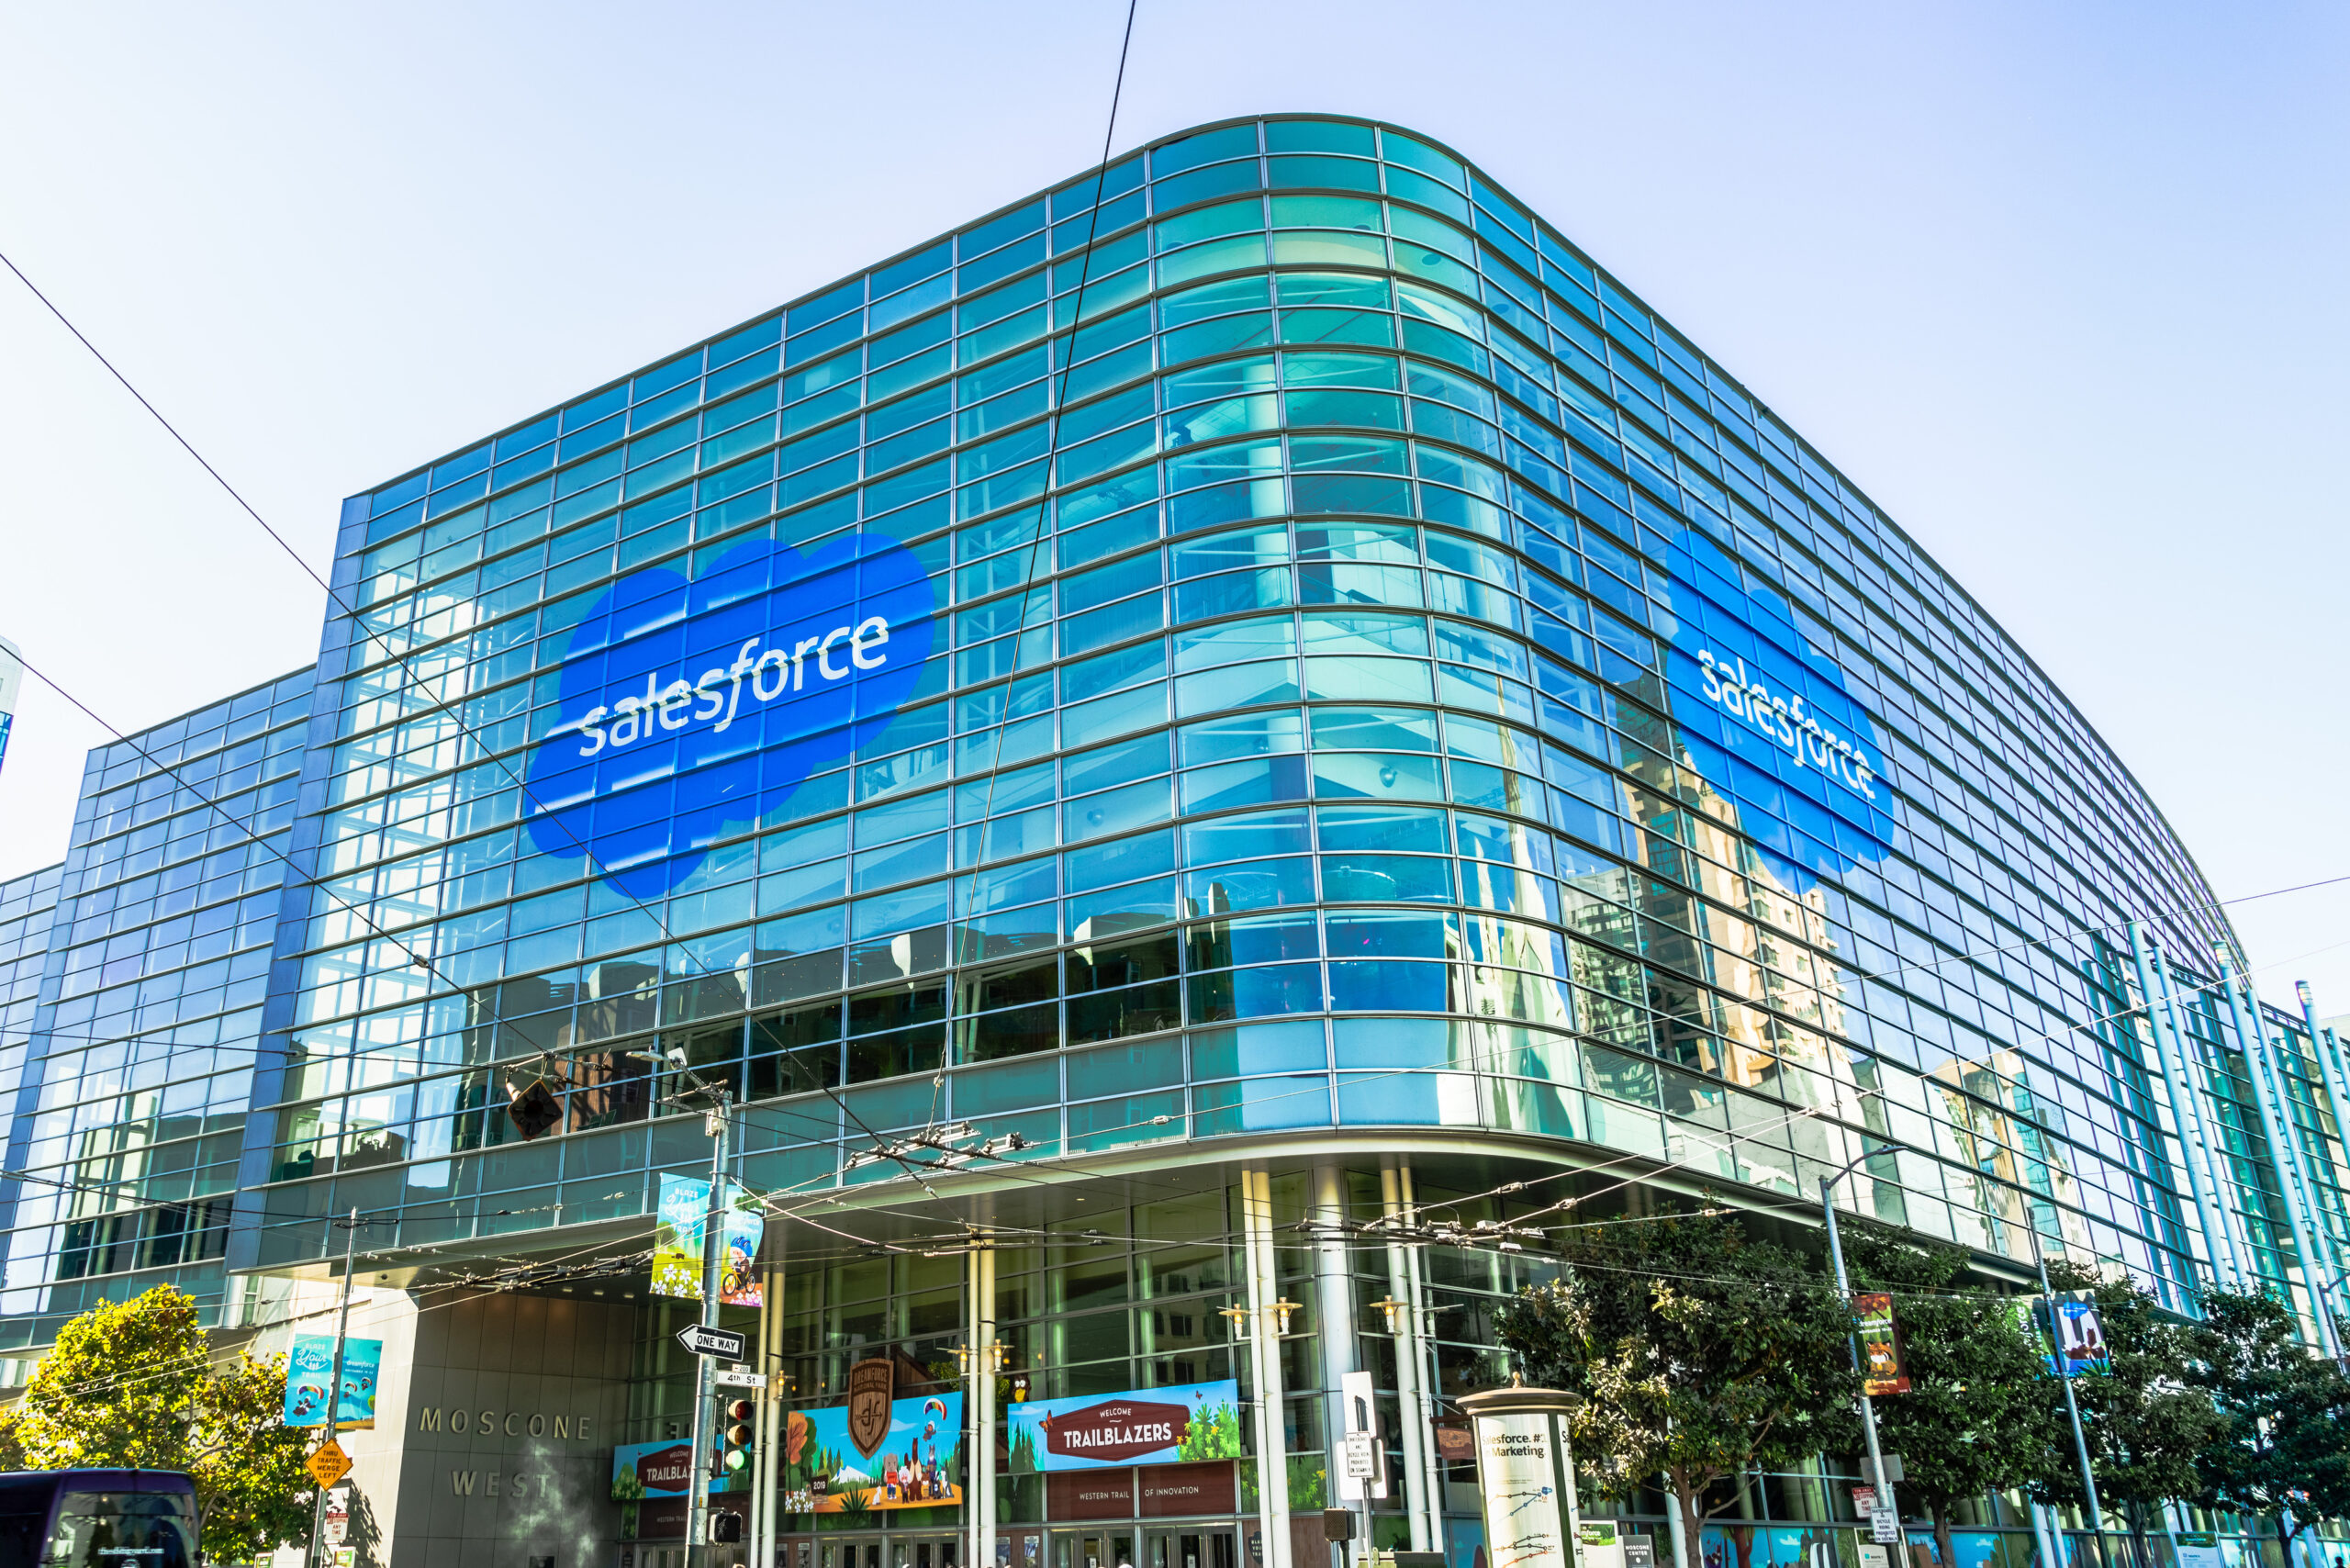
<point>2062,287</point>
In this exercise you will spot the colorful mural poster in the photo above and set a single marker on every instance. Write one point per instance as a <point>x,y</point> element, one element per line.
<point>676,1241</point>
<point>1142,1425</point>
<point>916,1462</point>
<point>309,1367</point>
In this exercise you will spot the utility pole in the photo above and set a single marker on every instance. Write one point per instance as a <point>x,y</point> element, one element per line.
<point>1845,1289</point>
<point>334,1386</point>
<point>2072,1406</point>
<point>713,1252</point>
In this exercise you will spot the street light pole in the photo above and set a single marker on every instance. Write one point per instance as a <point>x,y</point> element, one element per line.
<point>2072,1406</point>
<point>1845,1289</point>
<point>334,1386</point>
<point>714,1251</point>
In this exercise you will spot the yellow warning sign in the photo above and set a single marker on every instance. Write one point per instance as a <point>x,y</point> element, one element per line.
<point>330,1463</point>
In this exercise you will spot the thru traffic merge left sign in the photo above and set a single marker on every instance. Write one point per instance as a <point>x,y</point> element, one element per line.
<point>328,1465</point>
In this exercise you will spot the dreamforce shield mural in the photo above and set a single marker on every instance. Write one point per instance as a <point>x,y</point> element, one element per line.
<point>1765,718</point>
<point>691,710</point>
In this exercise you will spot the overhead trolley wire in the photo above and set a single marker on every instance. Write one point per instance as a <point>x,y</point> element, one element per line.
<point>416,683</point>
<point>428,689</point>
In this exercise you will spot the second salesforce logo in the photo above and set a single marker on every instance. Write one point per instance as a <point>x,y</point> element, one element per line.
<point>1766,719</point>
<point>691,710</point>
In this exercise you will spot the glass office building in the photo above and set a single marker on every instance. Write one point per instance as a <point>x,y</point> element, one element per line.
<point>1246,694</point>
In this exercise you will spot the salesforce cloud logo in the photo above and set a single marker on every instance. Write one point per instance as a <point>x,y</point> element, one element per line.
<point>689,711</point>
<point>1765,718</point>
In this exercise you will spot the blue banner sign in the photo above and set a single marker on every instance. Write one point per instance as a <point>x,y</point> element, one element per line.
<point>309,1367</point>
<point>1765,717</point>
<point>689,711</point>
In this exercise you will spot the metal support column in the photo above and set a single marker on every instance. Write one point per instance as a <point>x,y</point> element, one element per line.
<point>765,1507</point>
<point>2210,1135</point>
<point>1422,1494</point>
<point>2044,1534</point>
<point>978,1453</point>
<point>2334,1051</point>
<point>2215,1238</point>
<point>2320,1269</point>
<point>1265,1365</point>
<point>2338,1103</point>
<point>1430,1366</point>
<point>1334,1312</point>
<point>2281,1150</point>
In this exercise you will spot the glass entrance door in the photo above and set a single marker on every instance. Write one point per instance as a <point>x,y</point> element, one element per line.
<point>1105,1546</point>
<point>1190,1546</point>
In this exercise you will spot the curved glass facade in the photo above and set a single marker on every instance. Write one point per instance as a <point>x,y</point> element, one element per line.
<point>1375,696</point>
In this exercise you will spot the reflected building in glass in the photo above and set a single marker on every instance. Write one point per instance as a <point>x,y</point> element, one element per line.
<point>1252,695</point>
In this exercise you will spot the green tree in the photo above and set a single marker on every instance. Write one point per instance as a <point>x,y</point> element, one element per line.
<point>131,1384</point>
<point>1699,1355</point>
<point>2145,1425</point>
<point>12,1443</point>
<point>1981,1414</point>
<point>2279,1448</point>
<point>248,1465</point>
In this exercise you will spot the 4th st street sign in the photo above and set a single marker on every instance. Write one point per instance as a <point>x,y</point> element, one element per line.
<point>724,1343</point>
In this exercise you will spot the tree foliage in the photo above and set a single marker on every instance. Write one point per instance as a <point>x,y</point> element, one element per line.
<point>1699,1355</point>
<point>131,1385</point>
<point>2279,1446</point>
<point>2145,1425</point>
<point>1982,1413</point>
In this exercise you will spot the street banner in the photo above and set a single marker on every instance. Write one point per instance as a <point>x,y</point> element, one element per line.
<point>918,1463</point>
<point>683,1208</point>
<point>2080,1335</point>
<point>2078,1332</point>
<point>1885,1370</point>
<point>309,1367</point>
<point>1175,1425</point>
<point>746,1224</point>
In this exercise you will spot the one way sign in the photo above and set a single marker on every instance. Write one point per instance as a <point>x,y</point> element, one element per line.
<point>724,1343</point>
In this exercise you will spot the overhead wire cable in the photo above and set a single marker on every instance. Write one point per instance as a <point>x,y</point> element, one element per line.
<point>1047,506</point>
<point>416,682</point>
<point>1035,553</point>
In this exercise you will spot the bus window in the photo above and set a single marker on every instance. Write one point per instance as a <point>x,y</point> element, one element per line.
<point>122,1530</point>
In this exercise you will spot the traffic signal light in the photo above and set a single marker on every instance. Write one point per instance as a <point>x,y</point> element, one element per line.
<point>736,1451</point>
<point>725,1528</point>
